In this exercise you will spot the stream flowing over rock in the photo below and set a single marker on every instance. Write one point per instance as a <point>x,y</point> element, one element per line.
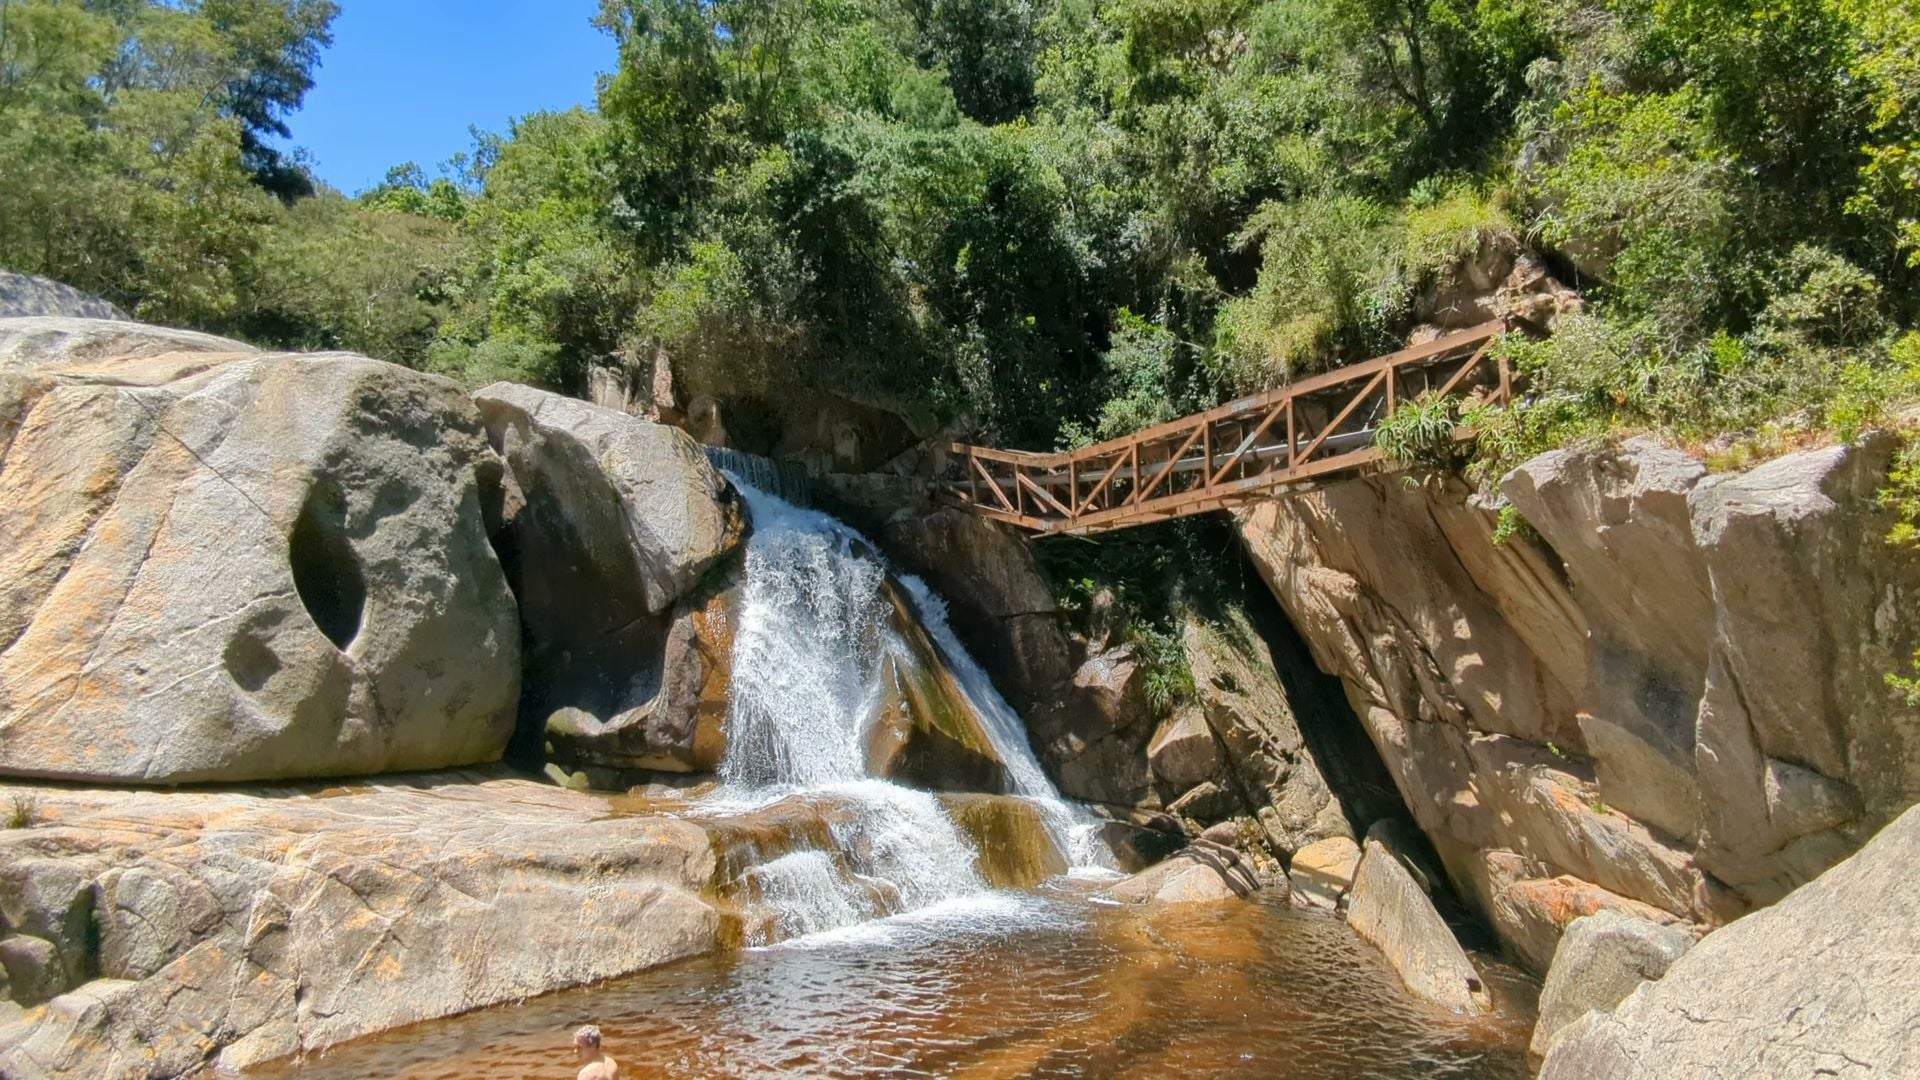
<point>1669,704</point>
<point>1823,983</point>
<point>218,564</point>
<point>1235,752</point>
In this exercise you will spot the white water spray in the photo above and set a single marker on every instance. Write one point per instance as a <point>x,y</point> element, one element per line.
<point>813,637</point>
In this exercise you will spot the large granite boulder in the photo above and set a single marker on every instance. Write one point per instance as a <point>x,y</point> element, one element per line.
<point>1602,958</point>
<point>1388,909</point>
<point>682,728</point>
<point>188,929</point>
<point>219,564</point>
<point>1821,984</point>
<point>609,520</point>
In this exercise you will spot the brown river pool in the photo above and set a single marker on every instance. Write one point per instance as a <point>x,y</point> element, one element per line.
<point>1046,983</point>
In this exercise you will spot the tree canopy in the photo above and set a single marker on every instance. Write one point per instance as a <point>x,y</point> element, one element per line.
<point>1037,221</point>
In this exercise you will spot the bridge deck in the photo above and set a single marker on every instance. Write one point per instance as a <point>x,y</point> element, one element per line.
<point>1232,453</point>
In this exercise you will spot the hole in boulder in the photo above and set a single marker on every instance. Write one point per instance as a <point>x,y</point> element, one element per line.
<point>251,662</point>
<point>325,572</point>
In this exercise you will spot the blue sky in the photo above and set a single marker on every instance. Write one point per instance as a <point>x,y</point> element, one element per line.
<point>405,78</point>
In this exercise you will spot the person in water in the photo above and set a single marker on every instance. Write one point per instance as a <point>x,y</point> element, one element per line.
<point>594,1065</point>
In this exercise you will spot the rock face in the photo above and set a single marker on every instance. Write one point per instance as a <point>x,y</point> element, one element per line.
<point>1821,984</point>
<point>1084,704</point>
<point>1256,718</point>
<point>608,522</point>
<point>926,733</point>
<point>1388,909</point>
<point>227,565</point>
<point>179,929</point>
<point>1618,714</point>
<point>1602,958</point>
<point>682,728</point>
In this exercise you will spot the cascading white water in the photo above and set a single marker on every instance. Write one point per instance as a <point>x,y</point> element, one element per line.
<point>813,636</point>
<point>1073,830</point>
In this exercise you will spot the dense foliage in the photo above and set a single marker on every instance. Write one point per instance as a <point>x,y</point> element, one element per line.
<point>1040,221</point>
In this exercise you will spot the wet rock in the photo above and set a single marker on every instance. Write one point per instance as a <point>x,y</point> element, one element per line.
<point>1015,850</point>
<point>927,733</point>
<point>235,928</point>
<point>1601,959</point>
<point>682,728</point>
<point>1183,751</point>
<point>1200,874</point>
<point>1388,909</point>
<point>282,558</point>
<point>1322,872</point>
<point>1822,983</point>
<point>1085,705</point>
<point>997,600</point>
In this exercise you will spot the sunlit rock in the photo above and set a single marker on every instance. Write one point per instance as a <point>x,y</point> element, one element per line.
<point>1388,909</point>
<point>222,564</point>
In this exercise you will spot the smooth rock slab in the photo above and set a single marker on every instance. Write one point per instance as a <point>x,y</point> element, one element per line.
<point>236,928</point>
<point>1388,909</point>
<point>1824,983</point>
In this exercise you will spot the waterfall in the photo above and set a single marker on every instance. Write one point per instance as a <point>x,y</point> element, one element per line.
<point>787,479</point>
<point>815,632</point>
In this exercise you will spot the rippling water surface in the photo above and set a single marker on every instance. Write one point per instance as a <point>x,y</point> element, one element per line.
<point>1047,984</point>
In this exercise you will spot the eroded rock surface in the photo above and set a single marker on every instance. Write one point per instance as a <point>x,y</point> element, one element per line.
<point>1670,704</point>
<point>1821,984</point>
<point>218,564</point>
<point>182,928</point>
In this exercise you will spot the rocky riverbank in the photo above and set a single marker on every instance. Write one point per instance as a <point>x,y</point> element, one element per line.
<point>257,609</point>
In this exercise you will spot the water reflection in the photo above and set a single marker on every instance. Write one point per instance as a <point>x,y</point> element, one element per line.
<point>995,985</point>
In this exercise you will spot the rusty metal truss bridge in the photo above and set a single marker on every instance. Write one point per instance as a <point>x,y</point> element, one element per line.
<point>1230,454</point>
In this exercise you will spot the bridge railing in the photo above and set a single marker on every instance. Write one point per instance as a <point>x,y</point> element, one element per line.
<point>1231,453</point>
